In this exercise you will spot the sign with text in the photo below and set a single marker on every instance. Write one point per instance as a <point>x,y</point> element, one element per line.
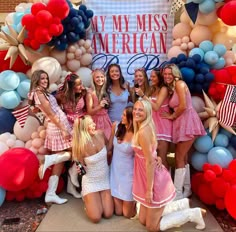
<point>132,33</point>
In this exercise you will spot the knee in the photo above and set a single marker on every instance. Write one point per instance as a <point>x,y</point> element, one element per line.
<point>142,221</point>
<point>152,227</point>
<point>95,218</point>
<point>108,214</point>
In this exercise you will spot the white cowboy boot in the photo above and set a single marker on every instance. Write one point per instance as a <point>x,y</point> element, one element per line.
<point>187,182</point>
<point>50,160</point>
<point>51,196</point>
<point>73,174</point>
<point>71,189</point>
<point>178,182</point>
<point>176,206</point>
<point>179,218</point>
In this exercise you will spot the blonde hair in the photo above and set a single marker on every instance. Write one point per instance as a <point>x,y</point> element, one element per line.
<point>100,94</point>
<point>81,137</point>
<point>147,121</point>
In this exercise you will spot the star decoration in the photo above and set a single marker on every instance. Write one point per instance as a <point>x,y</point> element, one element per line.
<point>210,117</point>
<point>14,45</point>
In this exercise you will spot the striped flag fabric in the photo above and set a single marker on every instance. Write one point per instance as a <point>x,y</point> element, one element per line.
<point>227,111</point>
<point>21,115</point>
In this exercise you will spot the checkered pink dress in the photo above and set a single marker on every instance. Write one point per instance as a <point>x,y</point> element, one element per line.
<point>54,140</point>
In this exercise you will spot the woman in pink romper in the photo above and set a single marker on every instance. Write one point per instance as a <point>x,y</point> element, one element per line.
<point>152,186</point>
<point>71,97</point>
<point>97,102</point>
<point>159,98</point>
<point>187,126</point>
<point>58,133</point>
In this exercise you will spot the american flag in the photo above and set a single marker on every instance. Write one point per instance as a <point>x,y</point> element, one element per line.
<point>227,111</point>
<point>21,115</point>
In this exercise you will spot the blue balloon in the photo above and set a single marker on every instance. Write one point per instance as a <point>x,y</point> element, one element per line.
<point>188,74</point>
<point>2,195</point>
<point>207,6</point>
<point>10,99</point>
<point>9,80</point>
<point>199,78</point>
<point>190,63</point>
<point>225,132</point>
<point>22,76</point>
<point>181,57</point>
<point>221,140</point>
<point>197,58</point>
<point>233,141</point>
<point>198,88</point>
<point>197,51</point>
<point>89,13</point>
<point>219,64</point>
<point>173,60</point>
<point>7,121</point>
<point>198,160</point>
<point>220,49</point>
<point>220,155</point>
<point>206,45</point>
<point>203,144</point>
<point>232,151</point>
<point>209,77</point>
<point>211,57</point>
<point>23,88</point>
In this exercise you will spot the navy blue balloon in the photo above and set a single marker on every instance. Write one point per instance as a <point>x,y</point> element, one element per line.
<point>206,86</point>
<point>60,45</point>
<point>74,21</point>
<point>63,38</point>
<point>204,70</point>
<point>188,74</point>
<point>190,63</point>
<point>198,88</point>
<point>72,37</point>
<point>73,13</point>
<point>7,121</point>
<point>82,7</point>
<point>196,58</point>
<point>199,78</point>
<point>191,87</point>
<point>182,64</point>
<point>89,13</point>
<point>233,141</point>
<point>173,60</point>
<point>209,77</point>
<point>181,57</point>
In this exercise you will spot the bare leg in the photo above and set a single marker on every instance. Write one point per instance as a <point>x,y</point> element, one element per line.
<point>118,203</point>
<point>93,206</point>
<point>153,218</point>
<point>107,203</point>
<point>142,215</point>
<point>129,209</point>
<point>162,151</point>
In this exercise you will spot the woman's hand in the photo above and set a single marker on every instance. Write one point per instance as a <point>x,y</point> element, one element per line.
<point>139,92</point>
<point>103,102</point>
<point>66,134</point>
<point>149,196</point>
<point>158,162</point>
<point>167,115</point>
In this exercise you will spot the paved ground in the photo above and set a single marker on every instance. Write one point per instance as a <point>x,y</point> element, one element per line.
<point>71,217</point>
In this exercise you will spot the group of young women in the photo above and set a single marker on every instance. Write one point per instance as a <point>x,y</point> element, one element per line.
<point>122,145</point>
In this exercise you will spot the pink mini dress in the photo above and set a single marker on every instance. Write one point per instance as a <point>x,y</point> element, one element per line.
<point>163,126</point>
<point>188,125</point>
<point>163,187</point>
<point>101,118</point>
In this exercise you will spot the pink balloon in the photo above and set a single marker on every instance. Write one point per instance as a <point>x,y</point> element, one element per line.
<point>180,30</point>
<point>200,33</point>
<point>175,51</point>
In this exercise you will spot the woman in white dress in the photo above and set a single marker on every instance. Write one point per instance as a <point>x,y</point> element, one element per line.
<point>89,148</point>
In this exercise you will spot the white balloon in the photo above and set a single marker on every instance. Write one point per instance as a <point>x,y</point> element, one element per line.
<point>85,75</point>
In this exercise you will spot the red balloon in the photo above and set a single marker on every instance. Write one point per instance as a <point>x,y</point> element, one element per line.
<point>219,187</point>
<point>42,35</point>
<point>222,76</point>
<point>19,168</point>
<point>29,21</point>
<point>227,13</point>
<point>206,167</point>
<point>220,204</point>
<point>234,80</point>
<point>209,175</point>
<point>196,180</point>
<point>44,18</point>
<point>228,175</point>
<point>232,166</point>
<point>231,69</point>
<point>206,195</point>
<point>36,7</point>
<point>217,169</point>
<point>60,10</point>
<point>230,201</point>
<point>34,44</point>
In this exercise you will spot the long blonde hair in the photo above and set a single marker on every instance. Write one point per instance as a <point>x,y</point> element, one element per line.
<point>147,121</point>
<point>102,93</point>
<point>81,137</point>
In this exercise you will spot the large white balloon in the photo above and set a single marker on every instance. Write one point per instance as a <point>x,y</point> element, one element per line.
<point>85,75</point>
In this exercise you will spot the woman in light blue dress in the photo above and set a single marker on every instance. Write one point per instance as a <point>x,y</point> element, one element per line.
<point>118,91</point>
<point>121,170</point>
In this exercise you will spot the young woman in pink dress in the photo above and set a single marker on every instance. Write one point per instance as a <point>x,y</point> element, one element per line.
<point>71,97</point>
<point>58,132</point>
<point>152,186</point>
<point>97,102</point>
<point>159,98</point>
<point>187,126</point>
